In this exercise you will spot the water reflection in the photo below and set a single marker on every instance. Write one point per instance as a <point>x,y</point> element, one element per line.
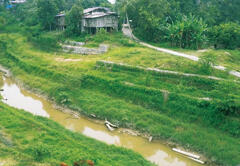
<point>101,136</point>
<point>163,158</point>
<point>13,96</point>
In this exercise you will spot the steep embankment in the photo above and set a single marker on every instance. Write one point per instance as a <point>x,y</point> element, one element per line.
<point>167,106</point>
<point>32,140</point>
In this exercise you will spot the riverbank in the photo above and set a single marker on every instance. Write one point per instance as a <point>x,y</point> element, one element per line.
<point>154,151</point>
<point>53,144</point>
<point>80,86</point>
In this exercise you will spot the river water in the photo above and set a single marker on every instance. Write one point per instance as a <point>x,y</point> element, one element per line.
<point>154,151</point>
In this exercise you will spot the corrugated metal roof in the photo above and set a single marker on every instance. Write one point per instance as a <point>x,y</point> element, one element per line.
<point>87,13</point>
<point>94,8</point>
<point>60,15</point>
<point>97,15</point>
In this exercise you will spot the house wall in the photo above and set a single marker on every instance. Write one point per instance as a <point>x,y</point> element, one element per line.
<point>100,22</point>
<point>61,21</point>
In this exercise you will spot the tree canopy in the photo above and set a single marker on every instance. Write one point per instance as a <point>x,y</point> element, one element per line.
<point>47,10</point>
<point>73,20</point>
<point>155,20</point>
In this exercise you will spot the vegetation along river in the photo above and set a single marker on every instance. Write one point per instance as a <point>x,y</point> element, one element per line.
<point>154,151</point>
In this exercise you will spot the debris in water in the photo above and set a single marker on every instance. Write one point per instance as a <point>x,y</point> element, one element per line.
<point>150,139</point>
<point>186,153</point>
<point>199,161</point>
<point>130,132</point>
<point>109,127</point>
<point>74,116</point>
<point>110,124</point>
<point>93,115</point>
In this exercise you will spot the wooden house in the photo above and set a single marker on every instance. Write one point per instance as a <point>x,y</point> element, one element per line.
<point>99,17</point>
<point>93,19</point>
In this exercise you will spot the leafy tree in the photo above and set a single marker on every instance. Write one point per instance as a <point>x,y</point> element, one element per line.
<point>187,32</point>
<point>229,11</point>
<point>226,35</point>
<point>73,20</point>
<point>146,16</point>
<point>47,11</point>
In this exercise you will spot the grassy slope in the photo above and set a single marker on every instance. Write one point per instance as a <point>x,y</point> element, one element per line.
<point>228,58</point>
<point>64,80</point>
<point>20,144</point>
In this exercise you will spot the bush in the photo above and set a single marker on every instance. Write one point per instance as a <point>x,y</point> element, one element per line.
<point>187,32</point>
<point>43,41</point>
<point>225,35</point>
<point>229,107</point>
<point>206,64</point>
<point>101,36</point>
<point>39,151</point>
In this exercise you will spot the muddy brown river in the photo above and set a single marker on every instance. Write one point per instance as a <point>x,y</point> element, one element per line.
<point>155,152</point>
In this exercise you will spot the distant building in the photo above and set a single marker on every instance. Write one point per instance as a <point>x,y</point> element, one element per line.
<point>93,19</point>
<point>17,1</point>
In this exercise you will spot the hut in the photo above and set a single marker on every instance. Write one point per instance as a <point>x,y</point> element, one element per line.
<point>93,19</point>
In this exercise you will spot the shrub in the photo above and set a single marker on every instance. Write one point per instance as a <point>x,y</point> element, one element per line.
<point>40,40</point>
<point>229,107</point>
<point>39,152</point>
<point>187,32</point>
<point>101,36</point>
<point>225,35</point>
<point>206,63</point>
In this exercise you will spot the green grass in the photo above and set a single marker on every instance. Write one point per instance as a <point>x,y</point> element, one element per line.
<point>133,98</point>
<point>227,58</point>
<point>52,144</point>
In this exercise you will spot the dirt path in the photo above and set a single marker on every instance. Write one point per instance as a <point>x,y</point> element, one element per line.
<point>127,31</point>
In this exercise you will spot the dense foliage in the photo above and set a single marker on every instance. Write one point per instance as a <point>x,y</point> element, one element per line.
<point>74,20</point>
<point>187,32</point>
<point>151,19</point>
<point>47,10</point>
<point>43,12</point>
<point>226,35</point>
